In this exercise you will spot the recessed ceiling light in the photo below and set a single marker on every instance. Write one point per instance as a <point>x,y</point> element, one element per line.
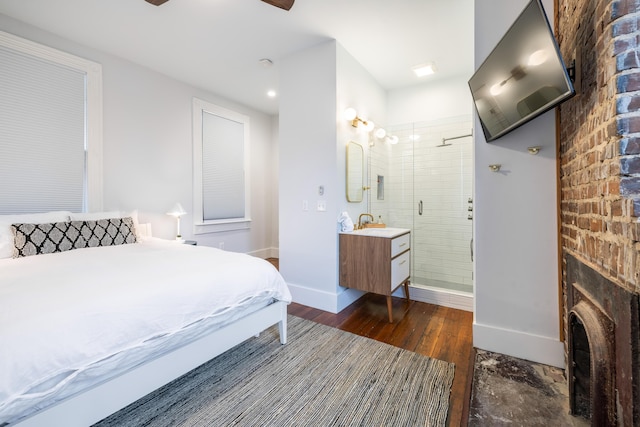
<point>424,69</point>
<point>266,62</point>
<point>271,93</point>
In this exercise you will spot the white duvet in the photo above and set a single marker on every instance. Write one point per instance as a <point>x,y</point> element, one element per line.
<point>70,317</point>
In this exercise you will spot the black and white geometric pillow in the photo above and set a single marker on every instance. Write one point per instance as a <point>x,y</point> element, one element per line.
<point>102,232</point>
<point>36,239</point>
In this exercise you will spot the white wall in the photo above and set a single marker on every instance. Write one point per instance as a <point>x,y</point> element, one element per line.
<point>357,89</point>
<point>148,147</point>
<point>516,224</point>
<point>316,85</point>
<point>434,99</point>
<point>307,161</point>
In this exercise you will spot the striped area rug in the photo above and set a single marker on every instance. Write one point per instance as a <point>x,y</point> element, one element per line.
<point>322,377</point>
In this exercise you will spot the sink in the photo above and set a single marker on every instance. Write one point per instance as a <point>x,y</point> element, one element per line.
<point>388,232</point>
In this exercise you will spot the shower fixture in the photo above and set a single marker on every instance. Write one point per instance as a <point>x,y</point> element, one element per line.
<point>444,140</point>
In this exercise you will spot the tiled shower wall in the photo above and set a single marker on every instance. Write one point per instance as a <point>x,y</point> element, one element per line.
<point>418,169</point>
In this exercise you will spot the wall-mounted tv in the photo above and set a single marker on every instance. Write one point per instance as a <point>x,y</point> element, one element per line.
<point>523,76</point>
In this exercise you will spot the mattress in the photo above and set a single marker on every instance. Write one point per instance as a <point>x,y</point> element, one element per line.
<point>72,319</point>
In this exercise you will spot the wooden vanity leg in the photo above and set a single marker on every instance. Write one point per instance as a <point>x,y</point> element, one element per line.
<point>389,309</point>
<point>406,290</point>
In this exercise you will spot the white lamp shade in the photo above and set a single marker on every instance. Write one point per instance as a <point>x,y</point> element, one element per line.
<point>177,210</point>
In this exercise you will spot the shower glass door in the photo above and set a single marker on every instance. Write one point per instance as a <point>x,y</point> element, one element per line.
<point>427,180</point>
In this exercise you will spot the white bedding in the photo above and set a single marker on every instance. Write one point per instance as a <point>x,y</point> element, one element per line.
<point>69,318</point>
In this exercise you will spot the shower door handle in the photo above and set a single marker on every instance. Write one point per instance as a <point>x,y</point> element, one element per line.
<point>420,208</point>
<point>471,248</point>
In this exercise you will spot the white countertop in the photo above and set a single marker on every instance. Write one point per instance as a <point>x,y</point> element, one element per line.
<point>388,232</point>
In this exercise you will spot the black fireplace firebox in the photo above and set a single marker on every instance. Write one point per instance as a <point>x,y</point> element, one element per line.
<point>603,347</point>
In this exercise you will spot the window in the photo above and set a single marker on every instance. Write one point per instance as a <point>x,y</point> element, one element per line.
<point>221,169</point>
<point>50,129</point>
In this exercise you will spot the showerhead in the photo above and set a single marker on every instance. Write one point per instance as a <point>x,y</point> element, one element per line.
<point>445,143</point>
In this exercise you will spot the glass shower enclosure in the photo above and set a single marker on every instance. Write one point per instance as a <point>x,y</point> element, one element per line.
<point>423,182</point>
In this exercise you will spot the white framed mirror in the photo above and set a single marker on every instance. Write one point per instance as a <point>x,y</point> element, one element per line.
<point>355,172</point>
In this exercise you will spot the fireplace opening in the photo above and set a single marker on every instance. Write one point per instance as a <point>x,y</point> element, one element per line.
<point>581,378</point>
<point>591,364</point>
<point>603,347</point>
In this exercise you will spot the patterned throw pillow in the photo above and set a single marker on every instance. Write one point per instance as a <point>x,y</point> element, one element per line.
<point>102,232</point>
<point>36,239</point>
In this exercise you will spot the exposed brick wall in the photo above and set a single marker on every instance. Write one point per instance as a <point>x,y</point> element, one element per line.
<point>599,151</point>
<point>600,137</point>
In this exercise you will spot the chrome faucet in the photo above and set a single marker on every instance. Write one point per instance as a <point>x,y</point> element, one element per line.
<point>360,223</point>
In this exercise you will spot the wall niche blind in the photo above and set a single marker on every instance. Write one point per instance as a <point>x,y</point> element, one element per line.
<point>42,135</point>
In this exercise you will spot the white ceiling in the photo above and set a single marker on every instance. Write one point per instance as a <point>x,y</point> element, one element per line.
<point>217,44</point>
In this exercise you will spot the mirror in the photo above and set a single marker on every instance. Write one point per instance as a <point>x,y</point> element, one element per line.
<point>355,172</point>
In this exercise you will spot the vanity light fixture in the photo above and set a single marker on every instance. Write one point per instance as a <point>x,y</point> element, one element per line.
<point>380,133</point>
<point>495,168</point>
<point>534,150</point>
<point>177,211</point>
<point>351,115</point>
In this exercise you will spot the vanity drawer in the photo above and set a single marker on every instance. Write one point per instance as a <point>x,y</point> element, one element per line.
<point>400,269</point>
<point>400,244</point>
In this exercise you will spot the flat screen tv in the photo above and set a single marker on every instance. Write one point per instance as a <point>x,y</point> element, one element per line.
<point>523,76</point>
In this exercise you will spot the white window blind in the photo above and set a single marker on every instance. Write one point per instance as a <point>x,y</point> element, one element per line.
<point>222,167</point>
<point>44,129</point>
<point>221,172</point>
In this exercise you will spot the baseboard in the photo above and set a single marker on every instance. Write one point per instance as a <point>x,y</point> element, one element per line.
<point>325,301</point>
<point>535,348</point>
<point>265,253</point>
<point>451,299</point>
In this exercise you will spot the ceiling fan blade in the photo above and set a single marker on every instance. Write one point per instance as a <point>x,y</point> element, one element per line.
<point>282,4</point>
<point>157,2</point>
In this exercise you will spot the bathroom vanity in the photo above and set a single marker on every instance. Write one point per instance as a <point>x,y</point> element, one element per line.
<point>376,260</point>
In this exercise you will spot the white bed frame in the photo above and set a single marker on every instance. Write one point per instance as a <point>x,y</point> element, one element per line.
<point>104,399</point>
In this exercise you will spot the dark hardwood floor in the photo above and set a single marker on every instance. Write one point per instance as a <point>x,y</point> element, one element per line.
<point>435,331</point>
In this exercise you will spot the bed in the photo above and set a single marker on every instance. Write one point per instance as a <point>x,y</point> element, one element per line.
<point>86,328</point>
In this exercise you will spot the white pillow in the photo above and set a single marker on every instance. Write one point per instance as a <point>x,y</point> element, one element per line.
<point>94,216</point>
<point>6,236</point>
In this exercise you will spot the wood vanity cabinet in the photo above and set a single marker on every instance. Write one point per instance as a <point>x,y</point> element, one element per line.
<point>376,264</point>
